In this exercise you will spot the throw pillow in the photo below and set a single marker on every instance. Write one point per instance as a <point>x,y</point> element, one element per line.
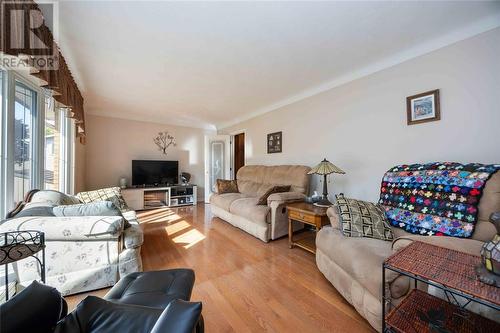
<point>112,194</point>
<point>98,208</point>
<point>55,198</point>
<point>227,186</point>
<point>274,189</point>
<point>362,219</point>
<point>36,210</point>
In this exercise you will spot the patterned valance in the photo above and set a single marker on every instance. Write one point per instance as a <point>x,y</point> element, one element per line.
<point>37,49</point>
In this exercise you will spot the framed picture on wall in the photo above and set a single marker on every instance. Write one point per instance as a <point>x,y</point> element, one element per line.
<point>274,143</point>
<point>423,107</point>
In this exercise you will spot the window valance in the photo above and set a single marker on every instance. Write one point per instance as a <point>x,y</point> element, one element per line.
<point>37,50</point>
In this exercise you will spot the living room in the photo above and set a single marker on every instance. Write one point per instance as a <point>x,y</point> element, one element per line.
<point>250,166</point>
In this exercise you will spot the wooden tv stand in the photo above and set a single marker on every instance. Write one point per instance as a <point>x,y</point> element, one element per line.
<point>141,198</point>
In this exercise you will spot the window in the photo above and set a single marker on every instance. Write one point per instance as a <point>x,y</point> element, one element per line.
<point>37,141</point>
<point>52,147</point>
<point>24,140</point>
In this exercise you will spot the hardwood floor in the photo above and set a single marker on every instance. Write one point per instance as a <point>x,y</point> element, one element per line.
<point>245,285</point>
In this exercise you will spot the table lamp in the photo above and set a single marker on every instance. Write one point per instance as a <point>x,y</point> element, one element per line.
<point>325,168</point>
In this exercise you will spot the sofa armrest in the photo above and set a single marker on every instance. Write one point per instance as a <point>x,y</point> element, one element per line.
<point>333,216</point>
<point>133,237</point>
<point>95,314</point>
<point>179,317</point>
<point>467,245</point>
<point>284,197</point>
<point>71,228</point>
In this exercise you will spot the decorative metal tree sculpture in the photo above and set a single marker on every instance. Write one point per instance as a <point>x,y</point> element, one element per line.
<point>163,141</point>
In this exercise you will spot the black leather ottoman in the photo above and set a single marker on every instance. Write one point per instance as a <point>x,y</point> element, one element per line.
<point>154,289</point>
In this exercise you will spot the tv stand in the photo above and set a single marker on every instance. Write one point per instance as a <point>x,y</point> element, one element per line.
<point>142,198</point>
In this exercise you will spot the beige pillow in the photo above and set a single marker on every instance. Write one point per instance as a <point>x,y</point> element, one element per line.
<point>274,189</point>
<point>227,186</point>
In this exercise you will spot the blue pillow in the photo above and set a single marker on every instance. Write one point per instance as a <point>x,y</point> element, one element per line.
<point>98,208</point>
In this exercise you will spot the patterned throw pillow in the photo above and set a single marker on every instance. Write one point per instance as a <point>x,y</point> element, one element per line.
<point>227,186</point>
<point>362,219</point>
<point>112,194</point>
<point>274,189</point>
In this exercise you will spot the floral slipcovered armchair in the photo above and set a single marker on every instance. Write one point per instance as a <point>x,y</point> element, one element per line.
<point>82,252</point>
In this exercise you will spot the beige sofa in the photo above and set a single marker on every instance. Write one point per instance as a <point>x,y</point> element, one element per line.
<point>262,221</point>
<point>354,265</point>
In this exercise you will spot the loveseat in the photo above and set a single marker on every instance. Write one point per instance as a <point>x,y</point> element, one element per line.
<point>265,222</point>
<point>82,252</point>
<point>354,265</point>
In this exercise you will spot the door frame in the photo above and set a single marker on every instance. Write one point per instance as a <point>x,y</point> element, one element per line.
<point>233,134</point>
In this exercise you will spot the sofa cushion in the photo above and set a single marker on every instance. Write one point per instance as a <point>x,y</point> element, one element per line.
<point>225,200</point>
<point>362,219</point>
<point>272,190</point>
<point>227,186</point>
<point>248,208</point>
<point>361,258</point>
<point>470,246</point>
<point>255,180</point>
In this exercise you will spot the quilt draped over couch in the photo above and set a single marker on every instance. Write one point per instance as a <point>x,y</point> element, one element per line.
<point>435,198</point>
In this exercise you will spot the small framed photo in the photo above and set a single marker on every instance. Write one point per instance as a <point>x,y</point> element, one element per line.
<point>274,143</point>
<point>423,107</point>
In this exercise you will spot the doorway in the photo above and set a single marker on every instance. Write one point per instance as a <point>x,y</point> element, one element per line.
<point>239,152</point>
<point>217,161</point>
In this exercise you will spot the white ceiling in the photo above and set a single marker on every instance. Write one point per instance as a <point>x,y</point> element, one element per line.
<point>209,64</point>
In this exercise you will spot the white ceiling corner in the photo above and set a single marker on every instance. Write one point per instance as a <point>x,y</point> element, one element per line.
<point>207,64</point>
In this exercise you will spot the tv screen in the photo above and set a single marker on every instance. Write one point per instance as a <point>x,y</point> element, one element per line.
<point>154,172</point>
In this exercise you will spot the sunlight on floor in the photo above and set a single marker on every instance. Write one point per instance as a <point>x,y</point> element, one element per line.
<point>161,218</point>
<point>189,238</point>
<point>176,227</point>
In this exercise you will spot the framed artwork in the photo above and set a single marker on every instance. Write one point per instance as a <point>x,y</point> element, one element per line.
<point>274,143</point>
<point>423,107</point>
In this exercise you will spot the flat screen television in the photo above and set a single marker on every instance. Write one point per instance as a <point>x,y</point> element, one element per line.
<point>154,173</point>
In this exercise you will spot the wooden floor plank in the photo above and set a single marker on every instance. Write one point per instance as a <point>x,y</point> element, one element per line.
<point>245,285</point>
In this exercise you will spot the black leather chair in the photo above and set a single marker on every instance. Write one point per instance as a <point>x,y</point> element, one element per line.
<point>151,302</point>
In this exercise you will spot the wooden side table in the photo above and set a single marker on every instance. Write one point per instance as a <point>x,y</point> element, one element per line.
<point>308,214</point>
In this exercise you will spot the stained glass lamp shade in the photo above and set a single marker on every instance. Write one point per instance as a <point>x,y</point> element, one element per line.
<point>490,253</point>
<point>325,168</point>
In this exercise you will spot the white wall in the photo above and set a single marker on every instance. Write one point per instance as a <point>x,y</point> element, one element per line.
<point>361,126</point>
<point>113,143</point>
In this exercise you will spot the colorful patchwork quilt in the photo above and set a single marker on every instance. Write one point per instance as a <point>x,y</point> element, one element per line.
<point>435,198</point>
